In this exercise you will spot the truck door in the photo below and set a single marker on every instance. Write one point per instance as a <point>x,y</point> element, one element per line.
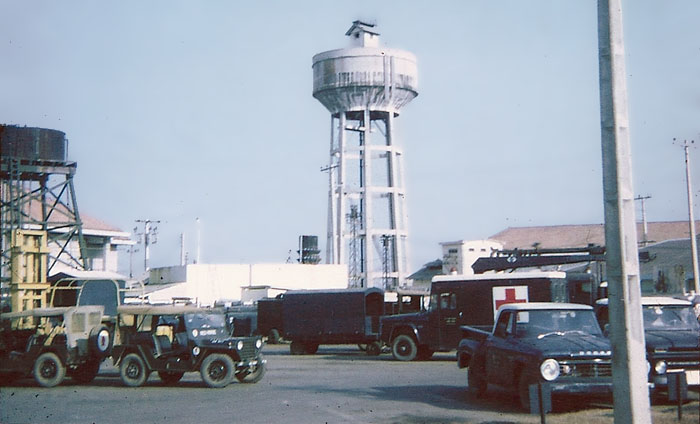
<point>449,333</point>
<point>499,352</point>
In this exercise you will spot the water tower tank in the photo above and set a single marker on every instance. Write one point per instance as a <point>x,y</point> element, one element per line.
<point>364,75</point>
<point>364,86</point>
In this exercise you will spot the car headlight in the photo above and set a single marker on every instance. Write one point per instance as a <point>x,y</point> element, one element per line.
<point>195,350</point>
<point>660,367</point>
<point>239,345</point>
<point>549,369</point>
<point>258,343</point>
<point>648,367</point>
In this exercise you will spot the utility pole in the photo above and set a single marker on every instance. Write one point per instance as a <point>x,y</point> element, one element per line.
<point>645,232</point>
<point>149,237</point>
<point>691,218</point>
<point>630,392</point>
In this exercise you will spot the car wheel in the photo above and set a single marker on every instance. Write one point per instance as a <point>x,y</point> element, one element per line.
<point>296,348</point>
<point>48,370</point>
<point>524,382</point>
<point>133,370</point>
<point>170,377</point>
<point>374,349</point>
<point>86,372</point>
<point>404,348</point>
<point>217,370</point>
<point>476,378</point>
<point>253,376</point>
<point>273,337</point>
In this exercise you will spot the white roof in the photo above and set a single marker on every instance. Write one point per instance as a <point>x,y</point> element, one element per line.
<point>507,276</point>
<point>655,301</point>
<point>529,306</point>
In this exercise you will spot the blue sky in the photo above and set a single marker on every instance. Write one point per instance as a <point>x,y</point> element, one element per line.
<point>180,109</point>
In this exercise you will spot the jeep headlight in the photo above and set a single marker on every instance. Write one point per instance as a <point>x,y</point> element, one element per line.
<point>239,345</point>
<point>195,350</point>
<point>549,369</point>
<point>660,367</point>
<point>258,343</point>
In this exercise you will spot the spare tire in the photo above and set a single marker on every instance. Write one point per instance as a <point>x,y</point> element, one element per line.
<point>100,341</point>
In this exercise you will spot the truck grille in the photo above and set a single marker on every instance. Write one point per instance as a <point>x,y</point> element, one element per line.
<point>248,350</point>
<point>586,369</point>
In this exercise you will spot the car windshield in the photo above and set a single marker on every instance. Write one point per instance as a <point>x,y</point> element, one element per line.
<point>669,318</point>
<point>206,325</point>
<point>539,323</point>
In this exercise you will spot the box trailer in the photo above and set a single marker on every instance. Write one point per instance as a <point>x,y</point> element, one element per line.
<point>349,316</point>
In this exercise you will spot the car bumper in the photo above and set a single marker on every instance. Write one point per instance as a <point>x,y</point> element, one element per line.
<point>581,386</point>
<point>692,378</point>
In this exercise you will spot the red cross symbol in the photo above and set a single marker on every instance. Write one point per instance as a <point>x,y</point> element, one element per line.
<point>510,298</point>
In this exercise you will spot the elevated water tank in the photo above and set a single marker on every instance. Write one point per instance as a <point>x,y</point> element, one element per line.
<point>35,144</point>
<point>364,75</point>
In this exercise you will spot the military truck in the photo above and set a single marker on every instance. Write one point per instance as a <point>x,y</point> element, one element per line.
<point>50,343</point>
<point>559,345</point>
<point>348,316</point>
<point>175,339</point>
<point>457,300</point>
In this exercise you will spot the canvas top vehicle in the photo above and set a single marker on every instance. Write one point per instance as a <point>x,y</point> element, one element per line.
<point>50,343</point>
<point>172,340</point>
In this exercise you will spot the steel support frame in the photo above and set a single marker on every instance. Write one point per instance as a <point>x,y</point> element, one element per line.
<point>368,239</point>
<point>27,183</point>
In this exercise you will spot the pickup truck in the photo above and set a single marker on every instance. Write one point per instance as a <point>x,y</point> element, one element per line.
<point>672,339</point>
<point>540,343</point>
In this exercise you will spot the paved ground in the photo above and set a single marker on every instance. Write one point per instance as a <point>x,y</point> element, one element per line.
<point>338,385</point>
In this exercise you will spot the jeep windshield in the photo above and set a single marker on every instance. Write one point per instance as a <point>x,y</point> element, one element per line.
<point>670,318</point>
<point>544,323</point>
<point>206,325</point>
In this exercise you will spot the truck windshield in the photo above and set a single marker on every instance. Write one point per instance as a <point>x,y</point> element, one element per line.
<point>540,323</point>
<point>675,318</point>
<point>206,325</point>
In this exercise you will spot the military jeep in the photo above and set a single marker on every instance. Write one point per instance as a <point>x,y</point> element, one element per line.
<point>50,343</point>
<point>173,340</point>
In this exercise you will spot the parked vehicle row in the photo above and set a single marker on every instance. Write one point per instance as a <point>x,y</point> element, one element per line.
<point>50,343</point>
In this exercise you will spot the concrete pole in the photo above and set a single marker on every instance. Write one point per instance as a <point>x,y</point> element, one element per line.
<point>691,218</point>
<point>630,392</point>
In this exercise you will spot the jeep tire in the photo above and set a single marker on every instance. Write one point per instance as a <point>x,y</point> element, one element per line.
<point>100,341</point>
<point>133,370</point>
<point>404,348</point>
<point>254,376</point>
<point>217,370</point>
<point>48,370</point>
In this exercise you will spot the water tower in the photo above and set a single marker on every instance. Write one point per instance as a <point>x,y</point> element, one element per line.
<point>39,217</point>
<point>363,87</point>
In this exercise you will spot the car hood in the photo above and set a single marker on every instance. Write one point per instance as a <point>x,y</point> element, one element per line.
<point>672,339</point>
<point>571,345</point>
